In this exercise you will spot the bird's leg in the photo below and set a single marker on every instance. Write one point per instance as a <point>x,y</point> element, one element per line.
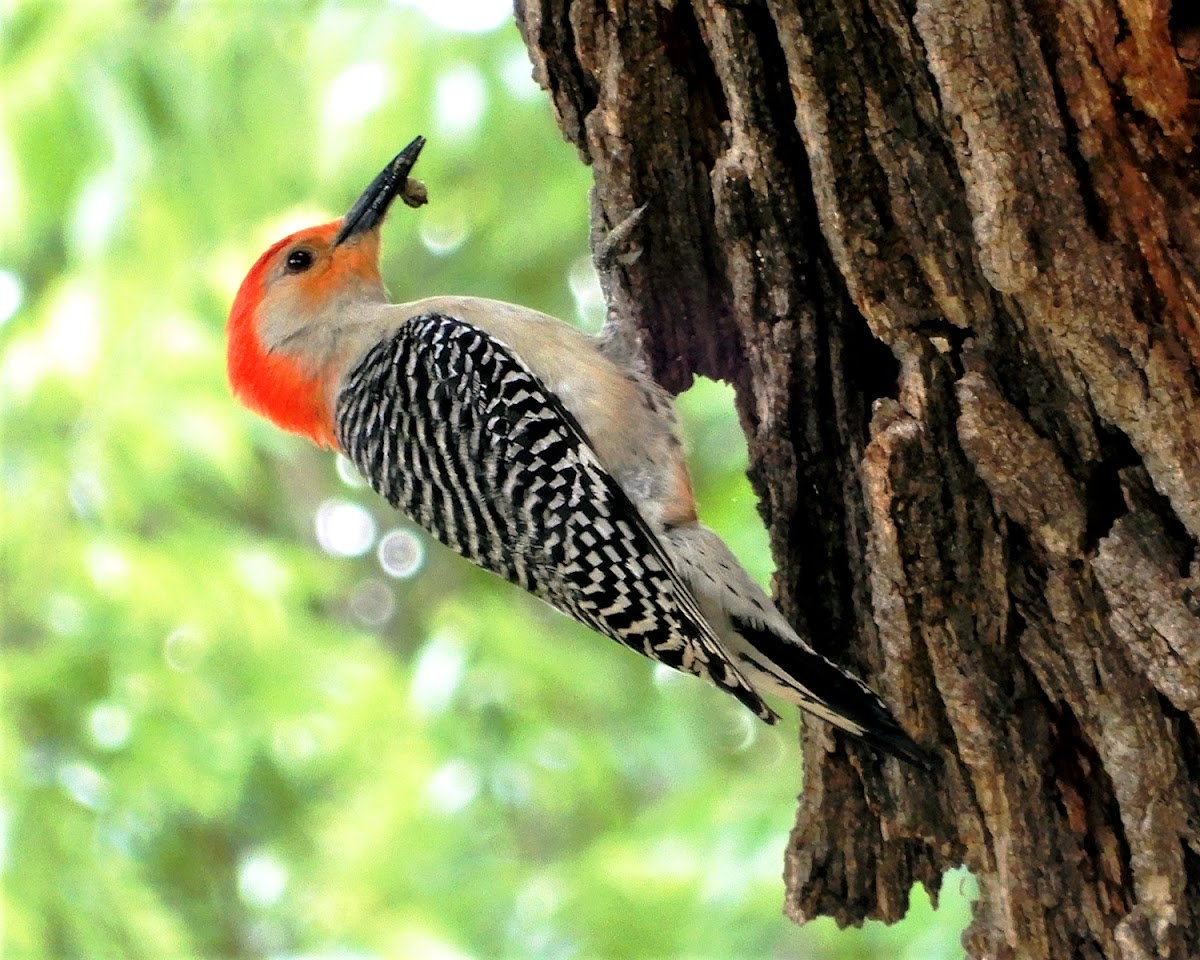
<point>615,249</point>
<point>611,250</point>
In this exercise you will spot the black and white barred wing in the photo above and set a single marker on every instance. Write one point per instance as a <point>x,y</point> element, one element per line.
<point>453,429</point>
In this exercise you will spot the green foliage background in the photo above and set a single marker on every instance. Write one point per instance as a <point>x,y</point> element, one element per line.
<point>219,739</point>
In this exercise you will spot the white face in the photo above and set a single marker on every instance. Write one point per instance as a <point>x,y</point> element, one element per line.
<point>311,289</point>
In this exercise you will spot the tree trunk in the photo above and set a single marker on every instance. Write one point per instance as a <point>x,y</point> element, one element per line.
<point>948,254</point>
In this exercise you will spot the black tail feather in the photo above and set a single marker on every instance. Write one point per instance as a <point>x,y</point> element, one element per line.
<point>827,688</point>
<point>897,743</point>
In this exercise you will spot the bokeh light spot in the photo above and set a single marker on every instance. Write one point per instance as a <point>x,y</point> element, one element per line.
<point>460,98</point>
<point>373,602</point>
<point>665,676</point>
<point>747,727</point>
<point>443,232</point>
<point>344,529</point>
<point>183,648</point>
<point>452,787</point>
<point>556,750</point>
<point>68,343</point>
<point>294,743</point>
<point>84,784</point>
<point>464,16</point>
<point>356,92</point>
<point>108,566</point>
<point>511,784</point>
<point>86,493</point>
<point>401,553</point>
<point>436,674</point>
<point>12,294</point>
<point>589,298</point>
<point>65,614</point>
<point>262,879</point>
<point>39,765</point>
<point>182,336</point>
<point>516,74</point>
<point>261,571</point>
<point>98,211</point>
<point>110,725</point>
<point>348,473</point>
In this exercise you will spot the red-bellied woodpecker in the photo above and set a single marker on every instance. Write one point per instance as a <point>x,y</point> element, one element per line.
<point>519,442</point>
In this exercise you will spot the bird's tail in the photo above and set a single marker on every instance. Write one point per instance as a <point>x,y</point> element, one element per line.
<point>778,662</point>
<point>770,653</point>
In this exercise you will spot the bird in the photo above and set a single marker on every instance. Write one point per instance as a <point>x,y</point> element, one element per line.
<point>531,448</point>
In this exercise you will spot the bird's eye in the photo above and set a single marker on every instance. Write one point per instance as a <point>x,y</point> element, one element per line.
<point>299,260</point>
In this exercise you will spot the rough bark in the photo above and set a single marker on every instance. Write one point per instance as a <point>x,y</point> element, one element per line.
<point>948,254</point>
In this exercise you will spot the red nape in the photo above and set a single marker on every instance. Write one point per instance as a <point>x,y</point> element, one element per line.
<point>273,385</point>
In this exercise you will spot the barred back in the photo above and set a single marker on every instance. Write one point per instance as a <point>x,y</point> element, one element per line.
<point>450,427</point>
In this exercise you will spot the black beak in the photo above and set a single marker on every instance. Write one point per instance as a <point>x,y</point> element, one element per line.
<point>370,209</point>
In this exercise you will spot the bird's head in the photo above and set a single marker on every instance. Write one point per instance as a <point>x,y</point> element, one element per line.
<point>283,334</point>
